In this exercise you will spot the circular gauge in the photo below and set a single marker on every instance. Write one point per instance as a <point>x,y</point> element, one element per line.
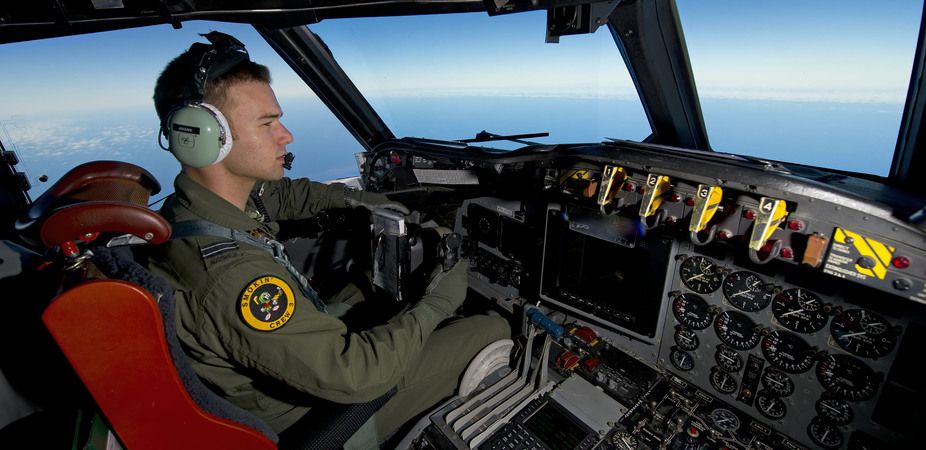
<point>787,351</point>
<point>770,406</point>
<point>692,311</point>
<point>834,410</point>
<point>701,274</point>
<point>681,359</point>
<point>725,419</point>
<point>800,310</point>
<point>847,377</point>
<point>746,291</point>
<point>777,383</point>
<point>686,339</point>
<point>623,440</point>
<point>736,330</point>
<point>723,382</point>
<point>863,333</point>
<point>728,359</point>
<point>824,434</point>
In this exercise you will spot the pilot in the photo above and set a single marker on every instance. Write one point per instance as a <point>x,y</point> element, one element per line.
<point>254,329</point>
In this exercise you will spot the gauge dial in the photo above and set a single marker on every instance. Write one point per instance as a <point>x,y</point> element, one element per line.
<point>777,383</point>
<point>701,274</point>
<point>681,359</point>
<point>746,291</point>
<point>736,330</point>
<point>824,434</point>
<point>847,377</point>
<point>725,419</point>
<point>692,311</point>
<point>834,410</point>
<point>723,382</point>
<point>728,359</point>
<point>863,333</point>
<point>800,310</point>
<point>686,339</point>
<point>770,406</point>
<point>787,351</point>
<point>623,440</point>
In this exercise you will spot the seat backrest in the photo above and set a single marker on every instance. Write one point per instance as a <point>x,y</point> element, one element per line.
<point>113,333</point>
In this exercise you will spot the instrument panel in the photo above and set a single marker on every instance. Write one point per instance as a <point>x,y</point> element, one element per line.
<point>789,350</point>
<point>775,311</point>
<point>810,364</point>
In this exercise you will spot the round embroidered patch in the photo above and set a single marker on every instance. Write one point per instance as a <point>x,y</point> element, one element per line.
<point>267,303</point>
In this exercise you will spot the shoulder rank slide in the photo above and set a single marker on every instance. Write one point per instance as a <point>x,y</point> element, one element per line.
<point>218,248</point>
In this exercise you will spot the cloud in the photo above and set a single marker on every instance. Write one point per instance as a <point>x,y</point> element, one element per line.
<point>86,139</point>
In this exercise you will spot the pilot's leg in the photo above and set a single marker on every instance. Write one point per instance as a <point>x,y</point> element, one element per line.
<point>436,374</point>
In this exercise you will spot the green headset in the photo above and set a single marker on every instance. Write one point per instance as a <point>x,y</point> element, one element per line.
<point>197,133</point>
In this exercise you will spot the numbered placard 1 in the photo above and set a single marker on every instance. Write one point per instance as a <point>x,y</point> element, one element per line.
<point>612,180</point>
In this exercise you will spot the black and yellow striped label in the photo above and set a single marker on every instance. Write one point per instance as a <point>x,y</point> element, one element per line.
<point>879,254</point>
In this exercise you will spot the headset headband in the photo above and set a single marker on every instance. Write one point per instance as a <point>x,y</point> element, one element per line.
<point>217,59</point>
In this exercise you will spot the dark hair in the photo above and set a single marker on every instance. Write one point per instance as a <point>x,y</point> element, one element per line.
<point>176,84</point>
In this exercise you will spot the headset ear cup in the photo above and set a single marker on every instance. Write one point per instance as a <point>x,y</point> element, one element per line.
<point>199,134</point>
<point>226,135</point>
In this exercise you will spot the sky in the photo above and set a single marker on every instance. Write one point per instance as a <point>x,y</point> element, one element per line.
<point>802,81</point>
<point>856,46</point>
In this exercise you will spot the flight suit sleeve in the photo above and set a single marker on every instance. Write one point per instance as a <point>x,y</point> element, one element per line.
<point>263,322</point>
<point>289,199</point>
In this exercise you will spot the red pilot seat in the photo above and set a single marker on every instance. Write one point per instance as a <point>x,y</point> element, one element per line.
<point>113,331</point>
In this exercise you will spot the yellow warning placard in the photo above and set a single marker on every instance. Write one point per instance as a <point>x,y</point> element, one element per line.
<point>873,255</point>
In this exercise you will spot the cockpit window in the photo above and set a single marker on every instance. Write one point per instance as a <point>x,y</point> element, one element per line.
<point>71,100</point>
<point>820,83</point>
<point>452,76</point>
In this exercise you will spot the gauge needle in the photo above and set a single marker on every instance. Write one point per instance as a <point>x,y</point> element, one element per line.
<point>741,293</point>
<point>726,357</point>
<point>860,333</point>
<point>830,408</point>
<point>772,380</point>
<point>700,275</point>
<point>793,312</point>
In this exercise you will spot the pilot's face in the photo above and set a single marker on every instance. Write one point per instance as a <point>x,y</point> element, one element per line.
<point>260,138</point>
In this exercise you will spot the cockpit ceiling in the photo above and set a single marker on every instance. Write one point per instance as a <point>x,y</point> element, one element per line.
<point>29,20</point>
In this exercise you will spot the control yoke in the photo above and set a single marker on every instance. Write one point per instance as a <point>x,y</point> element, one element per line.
<point>402,246</point>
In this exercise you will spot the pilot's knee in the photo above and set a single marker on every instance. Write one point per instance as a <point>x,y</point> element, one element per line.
<point>497,328</point>
<point>490,328</point>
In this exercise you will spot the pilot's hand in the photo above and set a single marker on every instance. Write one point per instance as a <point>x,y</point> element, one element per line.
<point>447,290</point>
<point>369,200</point>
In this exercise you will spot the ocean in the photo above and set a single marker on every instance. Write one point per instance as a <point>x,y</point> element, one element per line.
<point>849,136</point>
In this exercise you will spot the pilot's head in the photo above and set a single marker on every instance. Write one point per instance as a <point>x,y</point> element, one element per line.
<point>200,100</point>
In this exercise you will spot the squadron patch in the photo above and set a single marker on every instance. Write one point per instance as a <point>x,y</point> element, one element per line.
<point>267,303</point>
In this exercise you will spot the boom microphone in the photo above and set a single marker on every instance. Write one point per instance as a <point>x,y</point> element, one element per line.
<point>288,160</point>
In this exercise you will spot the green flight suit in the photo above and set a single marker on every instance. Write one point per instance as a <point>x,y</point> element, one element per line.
<point>255,338</point>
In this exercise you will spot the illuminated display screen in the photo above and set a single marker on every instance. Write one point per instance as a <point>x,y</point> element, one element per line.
<point>555,429</point>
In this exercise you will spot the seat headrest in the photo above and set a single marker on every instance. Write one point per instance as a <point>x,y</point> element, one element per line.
<point>96,180</point>
<point>82,220</point>
<point>93,198</point>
